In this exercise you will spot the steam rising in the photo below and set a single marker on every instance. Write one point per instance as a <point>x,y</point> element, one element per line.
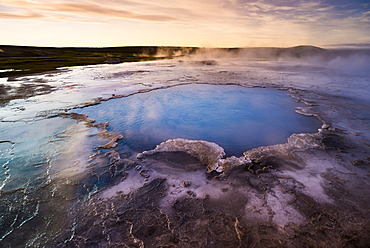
<point>353,63</point>
<point>342,60</point>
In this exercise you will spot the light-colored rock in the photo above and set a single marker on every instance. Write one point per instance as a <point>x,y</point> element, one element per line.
<point>210,154</point>
<point>207,152</point>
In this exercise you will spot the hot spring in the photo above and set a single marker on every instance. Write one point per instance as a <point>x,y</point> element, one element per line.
<point>235,117</point>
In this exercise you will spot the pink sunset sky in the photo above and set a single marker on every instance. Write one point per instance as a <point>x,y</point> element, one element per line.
<point>216,23</point>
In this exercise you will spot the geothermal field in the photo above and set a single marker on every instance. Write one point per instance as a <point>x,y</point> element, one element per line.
<point>211,148</point>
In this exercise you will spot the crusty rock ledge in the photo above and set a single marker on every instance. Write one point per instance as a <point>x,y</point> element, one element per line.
<point>211,154</point>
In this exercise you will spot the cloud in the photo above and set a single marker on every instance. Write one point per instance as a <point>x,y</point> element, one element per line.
<point>28,15</point>
<point>76,9</point>
<point>237,12</point>
<point>259,22</point>
<point>88,8</point>
<point>352,45</point>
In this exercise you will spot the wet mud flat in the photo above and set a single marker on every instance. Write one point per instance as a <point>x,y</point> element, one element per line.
<point>23,90</point>
<point>310,191</point>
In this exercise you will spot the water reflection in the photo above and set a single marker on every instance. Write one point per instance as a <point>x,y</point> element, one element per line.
<point>235,117</point>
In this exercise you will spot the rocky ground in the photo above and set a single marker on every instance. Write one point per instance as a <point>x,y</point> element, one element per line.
<point>310,192</point>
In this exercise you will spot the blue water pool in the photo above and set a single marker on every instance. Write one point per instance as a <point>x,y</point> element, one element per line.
<point>235,117</point>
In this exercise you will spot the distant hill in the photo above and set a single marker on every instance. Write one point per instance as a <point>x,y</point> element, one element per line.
<point>303,51</point>
<point>29,51</point>
<point>24,60</point>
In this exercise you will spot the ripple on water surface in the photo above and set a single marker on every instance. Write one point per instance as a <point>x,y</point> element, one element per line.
<point>235,117</point>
